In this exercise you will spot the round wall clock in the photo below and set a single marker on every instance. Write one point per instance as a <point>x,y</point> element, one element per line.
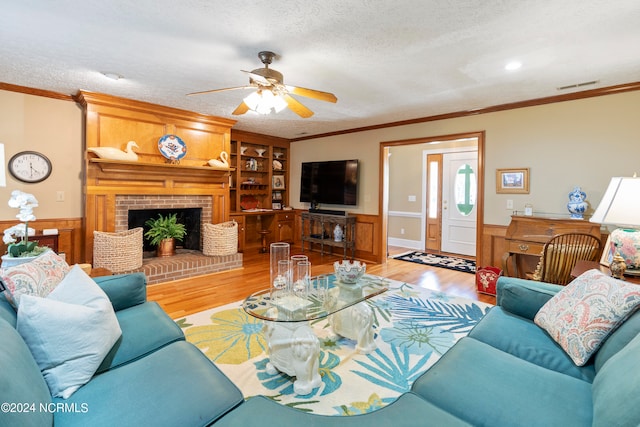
<point>30,166</point>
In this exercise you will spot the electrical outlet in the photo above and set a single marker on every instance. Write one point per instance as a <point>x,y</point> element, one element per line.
<point>509,204</point>
<point>412,198</point>
<point>402,231</point>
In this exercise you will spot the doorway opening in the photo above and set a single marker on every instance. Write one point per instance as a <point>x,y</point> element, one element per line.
<point>432,194</point>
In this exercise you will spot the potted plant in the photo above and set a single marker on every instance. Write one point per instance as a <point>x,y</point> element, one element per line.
<point>21,251</point>
<point>163,232</point>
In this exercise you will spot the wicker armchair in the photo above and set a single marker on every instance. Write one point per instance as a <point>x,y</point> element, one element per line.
<point>119,252</point>
<point>560,254</point>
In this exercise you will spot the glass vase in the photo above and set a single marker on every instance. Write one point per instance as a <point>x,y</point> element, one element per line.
<point>278,251</point>
<point>301,279</point>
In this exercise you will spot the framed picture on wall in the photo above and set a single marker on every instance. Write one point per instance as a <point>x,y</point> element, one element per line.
<point>514,181</point>
<point>277,182</point>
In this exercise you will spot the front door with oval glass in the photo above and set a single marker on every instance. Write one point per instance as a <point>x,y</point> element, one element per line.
<point>459,196</point>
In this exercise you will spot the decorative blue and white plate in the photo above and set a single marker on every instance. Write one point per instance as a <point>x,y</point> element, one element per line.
<point>172,147</point>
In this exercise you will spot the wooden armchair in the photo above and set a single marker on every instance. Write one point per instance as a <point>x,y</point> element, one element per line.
<point>560,254</point>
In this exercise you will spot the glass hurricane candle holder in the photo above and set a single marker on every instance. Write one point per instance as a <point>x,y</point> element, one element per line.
<point>301,279</point>
<point>278,251</point>
<point>281,283</point>
<point>322,287</point>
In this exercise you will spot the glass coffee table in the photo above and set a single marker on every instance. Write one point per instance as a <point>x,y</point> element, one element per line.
<point>293,347</point>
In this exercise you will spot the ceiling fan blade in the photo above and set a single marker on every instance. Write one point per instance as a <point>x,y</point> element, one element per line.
<point>312,93</point>
<point>258,78</point>
<point>221,90</point>
<point>240,109</point>
<point>297,107</point>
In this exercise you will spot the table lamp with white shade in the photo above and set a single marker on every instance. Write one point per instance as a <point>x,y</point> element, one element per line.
<point>620,206</point>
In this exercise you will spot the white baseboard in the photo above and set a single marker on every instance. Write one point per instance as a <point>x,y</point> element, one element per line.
<point>405,243</point>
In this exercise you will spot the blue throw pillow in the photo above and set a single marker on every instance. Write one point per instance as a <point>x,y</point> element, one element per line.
<point>69,332</point>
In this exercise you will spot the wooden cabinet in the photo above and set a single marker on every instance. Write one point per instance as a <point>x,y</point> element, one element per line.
<point>285,227</point>
<point>241,230</point>
<point>317,229</point>
<point>48,240</point>
<point>261,176</point>
<point>526,236</point>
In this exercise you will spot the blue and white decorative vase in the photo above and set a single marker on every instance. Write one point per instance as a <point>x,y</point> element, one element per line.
<point>337,233</point>
<point>577,206</point>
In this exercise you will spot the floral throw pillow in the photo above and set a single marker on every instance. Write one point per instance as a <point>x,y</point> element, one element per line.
<point>37,278</point>
<point>582,315</point>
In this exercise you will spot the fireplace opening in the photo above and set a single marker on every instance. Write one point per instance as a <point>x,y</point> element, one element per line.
<point>190,217</point>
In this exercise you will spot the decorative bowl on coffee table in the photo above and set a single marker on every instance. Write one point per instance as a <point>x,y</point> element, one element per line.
<point>349,272</point>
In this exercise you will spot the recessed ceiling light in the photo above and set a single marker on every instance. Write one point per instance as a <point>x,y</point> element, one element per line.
<point>513,65</point>
<point>113,76</point>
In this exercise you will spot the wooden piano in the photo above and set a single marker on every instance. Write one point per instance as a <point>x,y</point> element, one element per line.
<point>526,235</point>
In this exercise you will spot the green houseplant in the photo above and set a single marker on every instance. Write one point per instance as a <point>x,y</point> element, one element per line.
<point>163,231</point>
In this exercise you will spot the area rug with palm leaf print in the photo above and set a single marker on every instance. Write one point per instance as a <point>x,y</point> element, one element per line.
<point>413,328</point>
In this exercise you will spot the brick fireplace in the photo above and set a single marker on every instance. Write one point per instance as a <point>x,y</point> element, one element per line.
<point>150,204</point>
<point>108,207</point>
<point>187,262</point>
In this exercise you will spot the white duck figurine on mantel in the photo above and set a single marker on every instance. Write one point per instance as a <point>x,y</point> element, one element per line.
<point>222,163</point>
<point>112,153</point>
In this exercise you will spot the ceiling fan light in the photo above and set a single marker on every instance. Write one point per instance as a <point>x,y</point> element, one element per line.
<point>252,100</point>
<point>263,109</point>
<point>279,104</point>
<point>264,101</point>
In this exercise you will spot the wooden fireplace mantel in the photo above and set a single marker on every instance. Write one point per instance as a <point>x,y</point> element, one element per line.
<point>139,170</point>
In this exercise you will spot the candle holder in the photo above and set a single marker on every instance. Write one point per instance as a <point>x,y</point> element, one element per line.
<point>278,251</point>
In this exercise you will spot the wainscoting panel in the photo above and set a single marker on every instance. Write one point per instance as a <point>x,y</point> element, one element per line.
<point>367,239</point>
<point>69,236</point>
<point>493,246</point>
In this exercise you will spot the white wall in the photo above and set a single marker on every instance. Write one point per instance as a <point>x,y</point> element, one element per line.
<point>583,142</point>
<point>54,128</point>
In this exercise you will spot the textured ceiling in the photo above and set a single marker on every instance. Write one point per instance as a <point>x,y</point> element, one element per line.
<point>386,61</point>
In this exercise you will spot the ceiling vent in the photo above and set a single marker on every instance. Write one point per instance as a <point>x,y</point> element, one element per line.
<point>579,85</point>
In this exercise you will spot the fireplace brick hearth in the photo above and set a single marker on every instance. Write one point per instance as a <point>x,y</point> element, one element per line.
<point>187,263</point>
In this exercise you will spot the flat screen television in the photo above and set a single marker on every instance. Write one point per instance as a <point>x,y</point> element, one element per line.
<point>333,182</point>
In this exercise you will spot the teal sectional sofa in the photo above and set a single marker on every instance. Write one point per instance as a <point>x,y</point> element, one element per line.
<point>509,372</point>
<point>506,372</point>
<point>151,376</point>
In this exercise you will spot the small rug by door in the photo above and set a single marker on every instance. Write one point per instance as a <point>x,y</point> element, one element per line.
<point>443,261</point>
<point>413,328</point>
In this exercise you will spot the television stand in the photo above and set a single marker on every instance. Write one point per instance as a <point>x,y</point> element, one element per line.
<point>317,228</point>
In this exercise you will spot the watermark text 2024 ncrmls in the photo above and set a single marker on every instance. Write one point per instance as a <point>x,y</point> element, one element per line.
<point>51,407</point>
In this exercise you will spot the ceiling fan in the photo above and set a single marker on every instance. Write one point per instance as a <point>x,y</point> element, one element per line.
<point>271,93</point>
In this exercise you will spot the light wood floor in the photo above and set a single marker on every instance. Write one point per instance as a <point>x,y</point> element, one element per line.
<point>183,297</point>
